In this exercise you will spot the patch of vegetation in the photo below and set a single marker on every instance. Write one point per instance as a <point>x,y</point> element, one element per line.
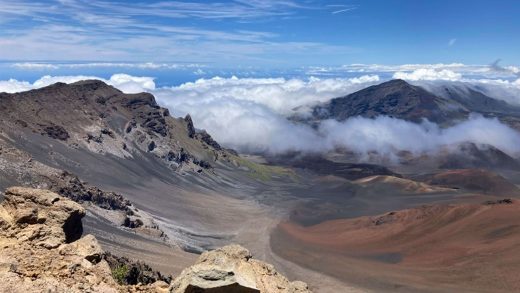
<point>119,274</point>
<point>128,272</point>
<point>264,172</point>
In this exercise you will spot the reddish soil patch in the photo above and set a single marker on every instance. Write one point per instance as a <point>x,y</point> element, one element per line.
<point>438,248</point>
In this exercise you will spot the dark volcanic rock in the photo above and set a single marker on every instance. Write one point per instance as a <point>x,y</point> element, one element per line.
<point>205,137</point>
<point>147,112</point>
<point>151,146</point>
<point>395,98</point>
<point>189,125</point>
<point>72,187</point>
<point>143,99</point>
<point>97,139</point>
<point>132,222</point>
<point>201,134</point>
<point>499,201</point>
<point>56,132</point>
<point>108,132</point>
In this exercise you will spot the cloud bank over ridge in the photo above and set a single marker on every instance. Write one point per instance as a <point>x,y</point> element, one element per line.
<point>249,114</point>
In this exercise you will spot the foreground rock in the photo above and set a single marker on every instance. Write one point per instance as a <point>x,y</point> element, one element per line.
<point>40,247</point>
<point>42,250</point>
<point>232,269</point>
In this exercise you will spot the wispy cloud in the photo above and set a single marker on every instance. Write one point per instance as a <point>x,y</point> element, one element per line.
<point>452,42</point>
<point>341,8</point>
<point>383,68</point>
<point>146,65</point>
<point>169,9</point>
<point>148,31</point>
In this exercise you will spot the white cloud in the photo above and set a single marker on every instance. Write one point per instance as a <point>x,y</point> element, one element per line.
<point>14,86</point>
<point>48,80</point>
<point>387,135</point>
<point>86,11</point>
<point>249,114</point>
<point>132,84</point>
<point>343,10</point>
<point>428,74</point>
<point>361,68</point>
<point>124,82</point>
<point>146,65</point>
<point>34,66</point>
<point>278,94</point>
<point>488,71</point>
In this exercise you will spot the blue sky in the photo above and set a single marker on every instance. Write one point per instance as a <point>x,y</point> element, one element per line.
<point>261,33</point>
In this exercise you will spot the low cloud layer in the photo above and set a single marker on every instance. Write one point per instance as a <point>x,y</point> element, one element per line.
<point>124,82</point>
<point>387,135</point>
<point>250,114</point>
<point>429,74</point>
<point>282,96</point>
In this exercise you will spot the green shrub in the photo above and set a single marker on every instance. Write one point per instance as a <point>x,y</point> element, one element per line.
<point>119,274</point>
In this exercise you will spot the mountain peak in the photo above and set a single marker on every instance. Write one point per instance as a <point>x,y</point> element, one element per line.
<point>91,82</point>
<point>93,85</point>
<point>397,81</point>
<point>395,98</point>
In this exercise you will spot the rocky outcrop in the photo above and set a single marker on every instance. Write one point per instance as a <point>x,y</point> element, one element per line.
<point>69,185</point>
<point>189,126</point>
<point>41,246</point>
<point>42,251</point>
<point>42,217</point>
<point>232,269</point>
<point>56,132</point>
<point>207,139</point>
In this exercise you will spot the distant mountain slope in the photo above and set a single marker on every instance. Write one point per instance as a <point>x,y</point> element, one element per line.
<point>476,101</point>
<point>395,98</point>
<point>442,103</point>
<point>94,116</point>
